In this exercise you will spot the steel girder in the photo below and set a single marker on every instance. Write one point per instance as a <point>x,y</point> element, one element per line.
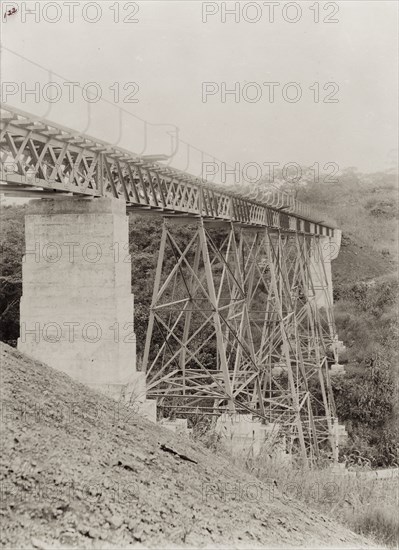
<point>39,158</point>
<point>234,327</point>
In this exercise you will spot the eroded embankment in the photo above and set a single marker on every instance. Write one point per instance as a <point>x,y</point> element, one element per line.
<point>78,471</point>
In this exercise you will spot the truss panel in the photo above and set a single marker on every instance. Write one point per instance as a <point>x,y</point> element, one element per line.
<point>40,156</point>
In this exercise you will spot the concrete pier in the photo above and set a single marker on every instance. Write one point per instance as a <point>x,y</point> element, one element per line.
<point>77,306</point>
<point>320,269</point>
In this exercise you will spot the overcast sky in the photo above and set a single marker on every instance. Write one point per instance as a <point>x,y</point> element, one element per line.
<point>170,52</point>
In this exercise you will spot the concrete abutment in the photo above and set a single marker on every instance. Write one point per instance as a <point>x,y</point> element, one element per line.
<point>77,308</point>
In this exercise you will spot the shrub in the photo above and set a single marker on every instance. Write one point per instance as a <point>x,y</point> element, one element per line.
<point>381,523</point>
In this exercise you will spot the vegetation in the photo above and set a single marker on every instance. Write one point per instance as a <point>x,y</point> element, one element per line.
<point>12,241</point>
<point>367,505</point>
<point>365,292</point>
<point>364,207</point>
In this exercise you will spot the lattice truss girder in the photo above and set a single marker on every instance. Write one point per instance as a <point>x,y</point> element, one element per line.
<point>234,326</point>
<point>39,158</point>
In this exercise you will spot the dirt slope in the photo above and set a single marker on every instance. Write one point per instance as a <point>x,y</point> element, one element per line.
<point>75,473</point>
<point>358,262</point>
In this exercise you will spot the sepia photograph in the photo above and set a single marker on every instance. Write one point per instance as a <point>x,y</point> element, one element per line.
<point>199,322</point>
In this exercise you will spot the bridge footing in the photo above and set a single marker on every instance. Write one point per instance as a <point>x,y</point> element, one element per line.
<point>245,435</point>
<point>240,433</point>
<point>77,306</point>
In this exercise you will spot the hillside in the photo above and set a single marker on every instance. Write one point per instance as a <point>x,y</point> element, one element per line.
<point>76,474</point>
<point>365,208</point>
<point>356,262</point>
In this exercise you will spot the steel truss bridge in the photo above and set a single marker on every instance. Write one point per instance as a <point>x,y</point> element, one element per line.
<point>234,324</point>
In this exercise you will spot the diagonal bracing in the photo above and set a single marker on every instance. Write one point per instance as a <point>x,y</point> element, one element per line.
<point>235,327</point>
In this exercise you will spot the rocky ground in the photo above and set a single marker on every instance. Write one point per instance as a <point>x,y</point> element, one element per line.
<point>79,471</point>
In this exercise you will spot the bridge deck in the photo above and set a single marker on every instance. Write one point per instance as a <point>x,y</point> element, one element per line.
<point>40,158</point>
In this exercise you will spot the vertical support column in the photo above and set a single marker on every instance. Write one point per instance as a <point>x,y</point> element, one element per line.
<point>220,342</point>
<point>77,306</point>
<point>276,263</point>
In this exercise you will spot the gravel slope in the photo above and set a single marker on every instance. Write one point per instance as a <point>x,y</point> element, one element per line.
<point>75,473</point>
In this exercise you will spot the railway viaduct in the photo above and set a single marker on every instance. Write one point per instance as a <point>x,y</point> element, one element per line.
<point>252,288</point>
